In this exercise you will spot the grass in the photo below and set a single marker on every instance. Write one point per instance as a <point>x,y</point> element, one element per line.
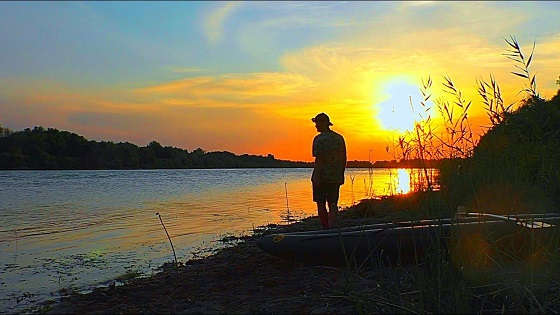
<point>510,169</point>
<point>513,166</point>
<point>475,273</point>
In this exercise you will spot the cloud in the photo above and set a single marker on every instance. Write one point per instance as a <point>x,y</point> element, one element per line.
<point>186,70</point>
<point>546,63</point>
<point>357,69</point>
<point>214,22</point>
<point>140,121</point>
<point>268,112</point>
<point>124,120</point>
<point>419,3</point>
<point>243,90</point>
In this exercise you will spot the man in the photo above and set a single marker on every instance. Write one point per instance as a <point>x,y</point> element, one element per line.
<point>329,151</point>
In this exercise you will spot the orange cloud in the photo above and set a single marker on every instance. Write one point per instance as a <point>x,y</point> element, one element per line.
<point>241,87</point>
<point>269,112</point>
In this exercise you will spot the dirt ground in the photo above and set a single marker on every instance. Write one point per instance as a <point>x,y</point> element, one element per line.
<point>241,278</point>
<point>237,279</point>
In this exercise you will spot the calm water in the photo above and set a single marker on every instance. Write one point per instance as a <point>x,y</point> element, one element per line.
<point>61,229</point>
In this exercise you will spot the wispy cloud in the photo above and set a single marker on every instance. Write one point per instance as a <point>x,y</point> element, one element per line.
<point>345,75</point>
<point>231,90</point>
<point>186,69</point>
<point>214,22</point>
<point>419,3</point>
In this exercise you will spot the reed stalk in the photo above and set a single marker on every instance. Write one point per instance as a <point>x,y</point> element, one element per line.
<point>352,177</point>
<point>522,65</point>
<point>287,204</point>
<point>504,278</point>
<point>169,238</point>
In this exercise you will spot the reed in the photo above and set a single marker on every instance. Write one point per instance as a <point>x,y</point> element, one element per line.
<point>510,168</point>
<point>474,273</point>
<point>170,242</point>
<point>493,102</point>
<point>352,178</point>
<point>420,143</point>
<point>457,139</point>
<point>476,175</point>
<point>288,217</point>
<point>522,65</point>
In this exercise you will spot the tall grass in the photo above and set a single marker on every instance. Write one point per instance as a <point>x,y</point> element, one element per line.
<point>493,102</point>
<point>522,65</point>
<point>512,168</point>
<point>478,270</point>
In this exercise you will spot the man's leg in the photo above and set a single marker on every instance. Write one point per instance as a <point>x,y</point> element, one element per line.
<point>333,211</point>
<point>322,212</point>
<point>319,196</point>
<point>332,200</point>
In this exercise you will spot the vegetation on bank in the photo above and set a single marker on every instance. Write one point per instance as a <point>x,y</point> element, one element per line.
<point>41,148</point>
<point>514,167</point>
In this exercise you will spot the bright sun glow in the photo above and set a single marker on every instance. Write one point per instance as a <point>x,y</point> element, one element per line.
<point>395,112</point>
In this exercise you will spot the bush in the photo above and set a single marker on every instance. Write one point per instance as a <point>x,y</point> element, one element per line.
<point>514,166</point>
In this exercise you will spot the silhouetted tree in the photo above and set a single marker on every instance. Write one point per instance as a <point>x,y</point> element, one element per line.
<point>41,148</point>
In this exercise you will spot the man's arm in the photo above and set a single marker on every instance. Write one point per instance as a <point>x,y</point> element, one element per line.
<point>343,152</point>
<point>318,165</point>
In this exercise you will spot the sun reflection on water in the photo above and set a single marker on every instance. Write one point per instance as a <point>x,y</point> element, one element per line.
<point>403,181</point>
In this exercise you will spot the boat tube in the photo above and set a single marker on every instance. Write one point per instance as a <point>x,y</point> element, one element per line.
<point>403,242</point>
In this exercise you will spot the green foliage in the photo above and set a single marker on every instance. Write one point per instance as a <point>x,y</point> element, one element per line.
<point>515,165</point>
<point>41,148</point>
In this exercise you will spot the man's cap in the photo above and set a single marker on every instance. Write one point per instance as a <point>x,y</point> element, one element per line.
<point>321,117</point>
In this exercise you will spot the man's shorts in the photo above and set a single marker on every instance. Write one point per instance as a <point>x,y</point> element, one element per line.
<point>326,192</point>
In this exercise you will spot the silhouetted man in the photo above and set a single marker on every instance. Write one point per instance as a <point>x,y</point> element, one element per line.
<point>329,151</point>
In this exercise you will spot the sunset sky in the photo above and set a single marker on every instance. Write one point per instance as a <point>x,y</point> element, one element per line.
<point>246,77</point>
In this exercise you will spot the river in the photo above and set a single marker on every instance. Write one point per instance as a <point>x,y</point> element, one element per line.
<point>78,229</point>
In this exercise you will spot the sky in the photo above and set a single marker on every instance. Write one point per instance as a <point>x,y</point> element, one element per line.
<point>246,77</point>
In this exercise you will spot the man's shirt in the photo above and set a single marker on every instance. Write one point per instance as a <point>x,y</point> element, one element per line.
<point>329,151</point>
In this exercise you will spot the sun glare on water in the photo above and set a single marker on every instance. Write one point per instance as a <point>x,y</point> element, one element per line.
<point>403,181</point>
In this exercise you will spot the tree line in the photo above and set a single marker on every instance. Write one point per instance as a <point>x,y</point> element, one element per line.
<point>44,149</point>
<point>41,148</point>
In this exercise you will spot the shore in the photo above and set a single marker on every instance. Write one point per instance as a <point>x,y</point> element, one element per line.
<point>242,279</point>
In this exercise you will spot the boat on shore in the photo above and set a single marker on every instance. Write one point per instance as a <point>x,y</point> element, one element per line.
<point>409,241</point>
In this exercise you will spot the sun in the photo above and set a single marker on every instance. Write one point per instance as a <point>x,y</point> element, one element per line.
<point>395,112</point>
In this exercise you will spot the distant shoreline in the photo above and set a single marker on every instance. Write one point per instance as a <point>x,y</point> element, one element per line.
<point>213,168</point>
<point>208,168</point>
<point>52,149</point>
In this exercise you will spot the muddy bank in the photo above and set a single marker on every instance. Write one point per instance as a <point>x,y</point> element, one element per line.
<point>240,278</point>
<point>243,279</point>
